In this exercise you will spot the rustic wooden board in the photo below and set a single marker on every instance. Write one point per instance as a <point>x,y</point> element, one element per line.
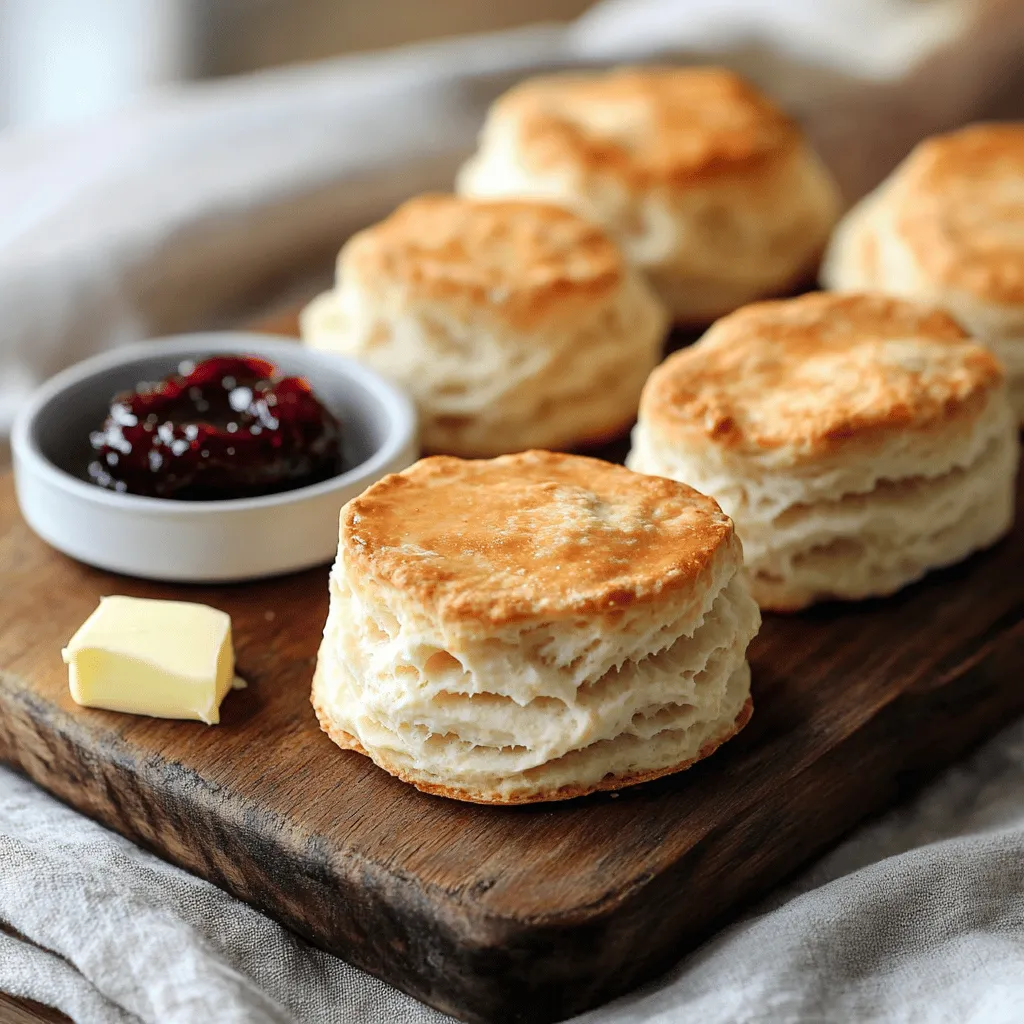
<point>507,914</point>
<point>25,1011</point>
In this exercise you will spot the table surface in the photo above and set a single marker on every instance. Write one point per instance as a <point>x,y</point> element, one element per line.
<point>24,1011</point>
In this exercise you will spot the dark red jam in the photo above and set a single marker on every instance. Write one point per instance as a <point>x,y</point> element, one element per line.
<point>227,427</point>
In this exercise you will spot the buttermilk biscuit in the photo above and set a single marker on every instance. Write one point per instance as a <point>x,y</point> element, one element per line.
<point>857,441</point>
<point>534,627</point>
<point>707,186</point>
<point>512,324</point>
<point>947,227</point>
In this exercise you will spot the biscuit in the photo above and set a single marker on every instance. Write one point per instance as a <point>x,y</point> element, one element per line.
<point>709,188</point>
<point>947,228</point>
<point>534,627</point>
<point>513,324</point>
<point>857,441</point>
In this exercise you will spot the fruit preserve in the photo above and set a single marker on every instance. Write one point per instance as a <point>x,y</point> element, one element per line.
<point>226,427</point>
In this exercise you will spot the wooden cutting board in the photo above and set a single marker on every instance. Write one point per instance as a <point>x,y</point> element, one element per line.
<point>524,914</point>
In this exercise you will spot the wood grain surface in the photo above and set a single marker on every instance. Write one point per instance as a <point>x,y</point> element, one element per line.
<point>25,1011</point>
<point>507,914</point>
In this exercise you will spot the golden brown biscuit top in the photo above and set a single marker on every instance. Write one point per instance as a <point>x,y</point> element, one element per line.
<point>960,208</point>
<point>521,259</point>
<point>537,535</point>
<point>675,127</point>
<point>814,372</point>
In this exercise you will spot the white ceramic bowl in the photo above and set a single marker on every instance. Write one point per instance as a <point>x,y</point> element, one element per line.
<point>199,541</point>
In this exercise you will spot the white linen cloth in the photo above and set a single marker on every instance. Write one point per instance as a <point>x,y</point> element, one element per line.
<point>189,209</point>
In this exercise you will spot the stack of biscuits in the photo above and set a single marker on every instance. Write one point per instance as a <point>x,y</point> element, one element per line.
<point>510,623</point>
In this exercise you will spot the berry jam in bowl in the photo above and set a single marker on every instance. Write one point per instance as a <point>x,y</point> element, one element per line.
<point>206,457</point>
<point>229,426</point>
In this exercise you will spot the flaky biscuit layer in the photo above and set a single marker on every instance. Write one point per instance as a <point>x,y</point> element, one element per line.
<point>534,628</point>
<point>807,538</point>
<point>511,324</point>
<point>947,228</point>
<point>856,441</point>
<point>707,186</point>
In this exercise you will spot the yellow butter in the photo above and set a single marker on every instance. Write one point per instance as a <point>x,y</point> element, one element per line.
<point>168,659</point>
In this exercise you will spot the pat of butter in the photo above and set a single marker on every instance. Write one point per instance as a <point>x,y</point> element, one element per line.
<point>167,659</point>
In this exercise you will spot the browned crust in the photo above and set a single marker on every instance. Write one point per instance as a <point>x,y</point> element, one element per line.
<point>754,381</point>
<point>347,741</point>
<point>959,207</point>
<point>680,127</point>
<point>520,260</point>
<point>533,535</point>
